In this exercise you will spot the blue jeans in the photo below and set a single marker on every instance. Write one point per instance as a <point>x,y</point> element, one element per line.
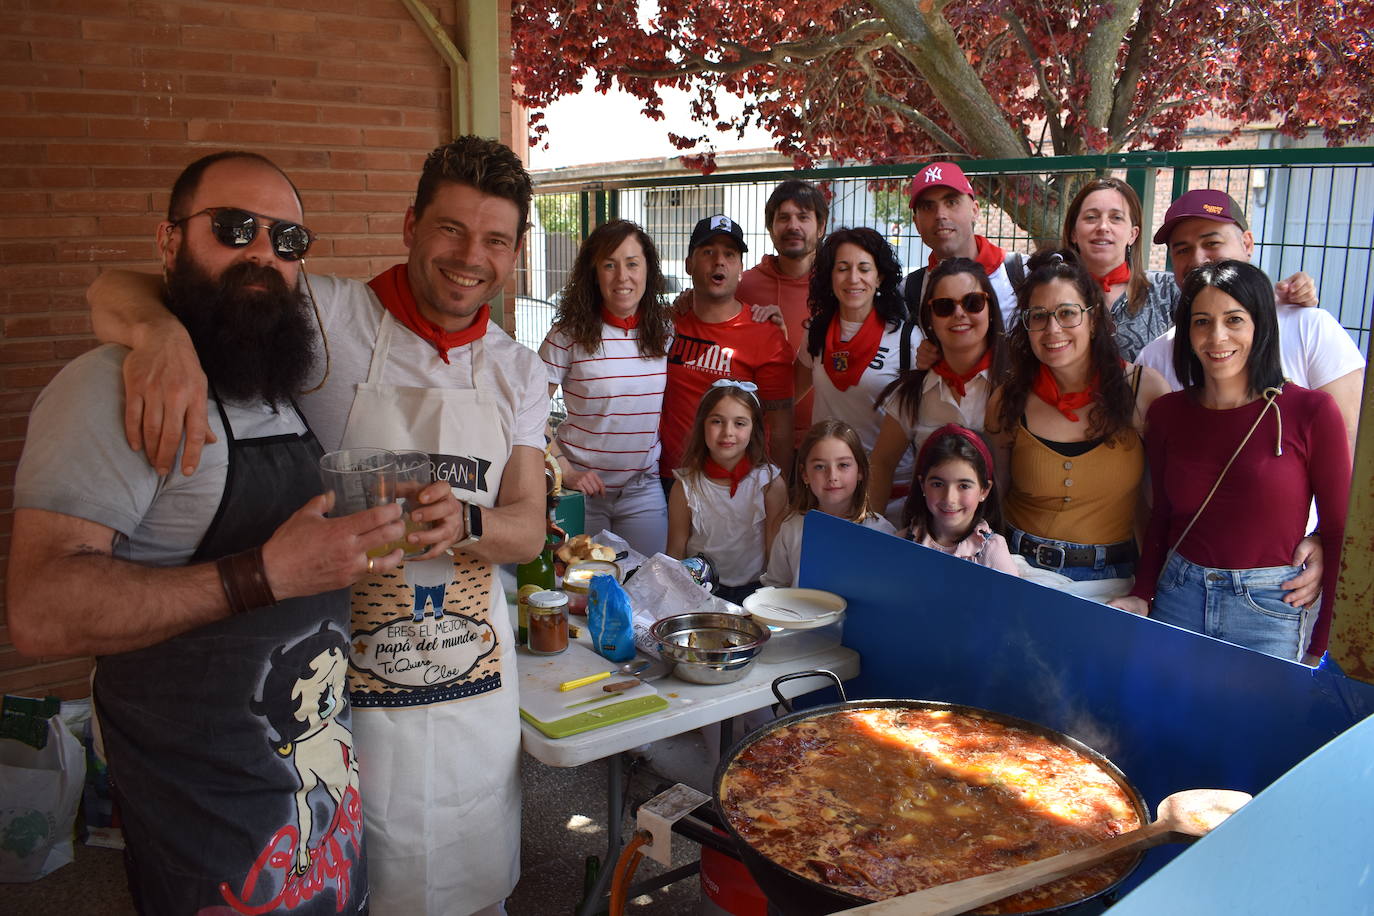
<point>1241,606</point>
<point>1099,570</point>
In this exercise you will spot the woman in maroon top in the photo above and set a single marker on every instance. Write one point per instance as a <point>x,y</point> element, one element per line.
<point>1217,565</point>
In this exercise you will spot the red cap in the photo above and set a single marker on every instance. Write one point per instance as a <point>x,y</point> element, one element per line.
<point>940,175</point>
<point>1204,203</point>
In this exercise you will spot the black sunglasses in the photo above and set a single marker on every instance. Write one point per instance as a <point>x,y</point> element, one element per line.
<point>973,303</point>
<point>235,228</point>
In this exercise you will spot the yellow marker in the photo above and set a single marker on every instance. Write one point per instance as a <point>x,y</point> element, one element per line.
<point>584,681</point>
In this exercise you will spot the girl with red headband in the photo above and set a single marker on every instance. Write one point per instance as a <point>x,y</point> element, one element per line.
<point>955,509</point>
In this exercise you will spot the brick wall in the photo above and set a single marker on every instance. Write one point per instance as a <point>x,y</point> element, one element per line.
<point>102,102</point>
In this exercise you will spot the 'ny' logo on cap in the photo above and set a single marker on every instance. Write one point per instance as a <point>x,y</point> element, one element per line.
<point>721,222</point>
<point>934,174</point>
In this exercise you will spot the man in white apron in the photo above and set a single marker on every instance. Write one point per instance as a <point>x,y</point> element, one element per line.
<point>416,365</point>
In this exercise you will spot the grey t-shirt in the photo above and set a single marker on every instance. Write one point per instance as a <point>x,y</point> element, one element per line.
<point>76,461</point>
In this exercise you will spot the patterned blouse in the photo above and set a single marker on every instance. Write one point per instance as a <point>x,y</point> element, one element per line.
<point>1155,317</point>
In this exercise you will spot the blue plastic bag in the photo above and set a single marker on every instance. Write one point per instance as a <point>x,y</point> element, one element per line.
<point>610,619</point>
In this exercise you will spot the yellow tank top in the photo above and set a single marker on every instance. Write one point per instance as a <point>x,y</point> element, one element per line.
<point>1087,499</point>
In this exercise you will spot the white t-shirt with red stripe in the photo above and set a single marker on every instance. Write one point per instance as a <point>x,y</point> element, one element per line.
<point>614,398</point>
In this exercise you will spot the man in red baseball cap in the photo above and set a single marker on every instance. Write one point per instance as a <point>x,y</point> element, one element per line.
<point>946,209</point>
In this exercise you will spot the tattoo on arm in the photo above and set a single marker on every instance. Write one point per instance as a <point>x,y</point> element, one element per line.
<point>781,404</point>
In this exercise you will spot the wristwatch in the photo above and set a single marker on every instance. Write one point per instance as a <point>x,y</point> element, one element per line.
<point>472,520</point>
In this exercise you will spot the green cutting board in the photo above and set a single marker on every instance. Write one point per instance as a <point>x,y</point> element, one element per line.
<point>596,718</point>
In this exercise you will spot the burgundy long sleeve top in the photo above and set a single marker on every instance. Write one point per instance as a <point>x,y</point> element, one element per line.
<point>1260,512</point>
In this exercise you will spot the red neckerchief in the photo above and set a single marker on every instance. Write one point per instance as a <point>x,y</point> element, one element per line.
<point>393,289</point>
<point>625,324</point>
<point>1118,275</point>
<point>989,255</point>
<point>1047,389</point>
<point>845,362</point>
<point>716,472</point>
<point>957,380</point>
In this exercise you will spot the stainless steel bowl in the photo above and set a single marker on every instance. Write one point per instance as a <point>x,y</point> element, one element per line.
<point>709,648</point>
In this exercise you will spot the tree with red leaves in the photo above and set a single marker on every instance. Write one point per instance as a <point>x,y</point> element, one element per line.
<point>904,80</point>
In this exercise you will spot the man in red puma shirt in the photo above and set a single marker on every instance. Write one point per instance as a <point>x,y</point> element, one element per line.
<point>717,338</point>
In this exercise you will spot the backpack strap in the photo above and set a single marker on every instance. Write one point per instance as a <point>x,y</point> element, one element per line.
<point>905,346</point>
<point>911,291</point>
<point>1016,269</point>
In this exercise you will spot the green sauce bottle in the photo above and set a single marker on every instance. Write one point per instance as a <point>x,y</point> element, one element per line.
<point>535,576</point>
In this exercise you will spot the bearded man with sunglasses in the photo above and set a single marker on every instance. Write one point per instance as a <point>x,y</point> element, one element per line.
<point>413,363</point>
<point>196,592</point>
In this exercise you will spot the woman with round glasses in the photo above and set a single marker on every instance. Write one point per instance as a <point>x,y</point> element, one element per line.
<point>1066,424</point>
<point>854,342</point>
<point>960,314</point>
<point>608,350</point>
<point>1102,224</point>
<point>1236,458</point>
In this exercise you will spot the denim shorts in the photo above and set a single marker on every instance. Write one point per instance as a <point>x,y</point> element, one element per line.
<point>1241,606</point>
<point>1100,570</point>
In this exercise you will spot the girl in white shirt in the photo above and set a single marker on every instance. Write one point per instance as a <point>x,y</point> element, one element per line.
<point>832,477</point>
<point>728,498</point>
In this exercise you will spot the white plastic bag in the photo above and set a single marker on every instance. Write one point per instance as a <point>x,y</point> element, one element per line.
<point>663,588</point>
<point>39,791</point>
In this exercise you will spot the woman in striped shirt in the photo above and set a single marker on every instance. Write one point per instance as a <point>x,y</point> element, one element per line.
<point>608,350</point>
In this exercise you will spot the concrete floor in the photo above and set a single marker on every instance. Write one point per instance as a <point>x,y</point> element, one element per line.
<point>564,822</point>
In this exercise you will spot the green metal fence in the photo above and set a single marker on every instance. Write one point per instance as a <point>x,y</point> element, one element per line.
<point>1309,209</point>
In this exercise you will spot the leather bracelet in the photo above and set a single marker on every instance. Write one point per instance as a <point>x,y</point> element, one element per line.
<point>244,580</point>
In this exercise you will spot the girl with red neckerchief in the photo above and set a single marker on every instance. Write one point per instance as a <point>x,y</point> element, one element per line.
<point>728,499</point>
<point>608,350</point>
<point>853,345</point>
<point>960,314</point>
<point>1066,427</point>
<point>1102,224</point>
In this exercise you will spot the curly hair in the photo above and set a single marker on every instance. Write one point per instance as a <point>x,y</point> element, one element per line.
<point>1138,287</point>
<point>1252,288</point>
<point>579,309</point>
<point>907,387</point>
<point>803,500</point>
<point>822,301</point>
<point>1113,405</point>
<point>487,165</point>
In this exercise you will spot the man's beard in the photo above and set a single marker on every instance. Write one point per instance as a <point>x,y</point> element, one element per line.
<point>254,344</point>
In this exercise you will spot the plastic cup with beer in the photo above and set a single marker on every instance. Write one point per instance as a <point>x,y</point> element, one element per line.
<point>414,472</point>
<point>360,479</point>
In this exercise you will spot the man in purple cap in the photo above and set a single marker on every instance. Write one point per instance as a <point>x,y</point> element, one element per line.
<point>718,338</point>
<point>945,209</point>
<point>1206,225</point>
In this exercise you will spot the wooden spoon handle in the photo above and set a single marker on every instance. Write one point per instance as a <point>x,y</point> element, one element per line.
<point>970,893</point>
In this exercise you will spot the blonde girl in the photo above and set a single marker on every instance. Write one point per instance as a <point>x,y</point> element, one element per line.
<point>832,477</point>
<point>728,498</point>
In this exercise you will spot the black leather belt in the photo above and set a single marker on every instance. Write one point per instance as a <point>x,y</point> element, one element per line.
<point>1048,555</point>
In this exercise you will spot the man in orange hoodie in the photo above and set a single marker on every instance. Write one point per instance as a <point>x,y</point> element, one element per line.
<point>796,213</point>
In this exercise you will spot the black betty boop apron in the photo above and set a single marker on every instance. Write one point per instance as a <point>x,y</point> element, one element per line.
<point>435,705</point>
<point>230,746</point>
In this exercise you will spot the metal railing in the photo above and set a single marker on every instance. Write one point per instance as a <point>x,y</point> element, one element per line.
<point>1309,209</point>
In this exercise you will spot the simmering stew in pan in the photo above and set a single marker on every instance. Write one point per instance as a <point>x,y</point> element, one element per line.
<point>884,801</point>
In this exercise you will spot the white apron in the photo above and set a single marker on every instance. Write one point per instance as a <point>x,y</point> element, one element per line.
<point>435,705</point>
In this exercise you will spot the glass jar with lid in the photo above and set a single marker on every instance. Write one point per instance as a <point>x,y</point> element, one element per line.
<point>548,628</point>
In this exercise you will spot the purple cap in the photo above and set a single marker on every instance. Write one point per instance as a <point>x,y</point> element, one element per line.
<point>1204,203</point>
<point>939,175</point>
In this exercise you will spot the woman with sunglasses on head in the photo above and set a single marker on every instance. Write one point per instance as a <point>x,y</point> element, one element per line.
<point>608,350</point>
<point>1102,224</point>
<point>1236,458</point>
<point>854,342</point>
<point>960,314</point>
<point>1066,423</point>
